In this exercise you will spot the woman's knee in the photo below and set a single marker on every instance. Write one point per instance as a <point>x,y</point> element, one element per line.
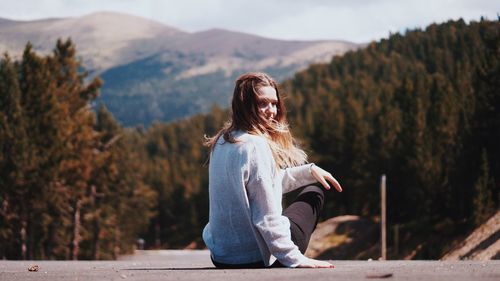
<point>314,195</point>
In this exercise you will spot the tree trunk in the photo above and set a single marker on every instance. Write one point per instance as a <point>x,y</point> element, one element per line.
<point>116,249</point>
<point>24,248</point>
<point>157,234</point>
<point>96,253</point>
<point>76,231</point>
<point>97,230</point>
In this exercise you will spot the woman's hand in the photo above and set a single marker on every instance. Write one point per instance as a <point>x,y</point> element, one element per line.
<point>311,263</point>
<point>323,176</point>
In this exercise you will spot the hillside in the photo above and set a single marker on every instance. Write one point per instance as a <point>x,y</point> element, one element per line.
<point>159,72</point>
<point>356,238</point>
<point>421,108</point>
<point>482,244</point>
<point>345,238</point>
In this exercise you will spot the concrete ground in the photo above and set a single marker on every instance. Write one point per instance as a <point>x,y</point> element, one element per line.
<point>196,265</point>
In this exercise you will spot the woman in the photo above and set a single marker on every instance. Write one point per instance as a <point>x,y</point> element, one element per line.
<point>253,162</point>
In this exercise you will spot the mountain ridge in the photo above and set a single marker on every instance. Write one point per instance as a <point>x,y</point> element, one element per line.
<point>177,68</point>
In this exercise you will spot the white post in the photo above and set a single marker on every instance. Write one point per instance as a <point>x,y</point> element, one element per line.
<point>383,236</point>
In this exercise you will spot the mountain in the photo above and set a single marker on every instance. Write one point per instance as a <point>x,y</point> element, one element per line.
<point>103,40</point>
<point>161,73</point>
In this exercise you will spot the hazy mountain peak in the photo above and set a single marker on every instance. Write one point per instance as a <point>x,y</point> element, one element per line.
<point>126,23</point>
<point>4,21</point>
<point>103,39</point>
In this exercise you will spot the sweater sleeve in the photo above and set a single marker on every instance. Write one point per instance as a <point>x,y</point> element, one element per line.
<point>266,208</point>
<point>295,177</point>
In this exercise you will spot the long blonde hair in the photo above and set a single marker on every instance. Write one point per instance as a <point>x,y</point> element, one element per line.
<point>246,117</point>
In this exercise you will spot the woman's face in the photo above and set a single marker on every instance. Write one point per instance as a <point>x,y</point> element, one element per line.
<point>267,101</point>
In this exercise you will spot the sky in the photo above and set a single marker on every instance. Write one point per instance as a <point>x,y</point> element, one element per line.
<point>357,21</point>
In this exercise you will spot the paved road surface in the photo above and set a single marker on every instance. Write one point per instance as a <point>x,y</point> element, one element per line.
<point>196,265</point>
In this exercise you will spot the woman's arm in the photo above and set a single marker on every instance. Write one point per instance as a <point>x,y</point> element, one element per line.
<point>295,177</point>
<point>265,207</point>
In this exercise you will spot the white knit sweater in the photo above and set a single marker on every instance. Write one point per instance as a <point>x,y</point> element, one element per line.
<point>245,220</point>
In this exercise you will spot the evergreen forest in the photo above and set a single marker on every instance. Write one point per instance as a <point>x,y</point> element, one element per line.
<point>422,108</point>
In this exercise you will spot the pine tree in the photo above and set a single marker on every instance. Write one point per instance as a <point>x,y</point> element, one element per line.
<point>77,132</point>
<point>483,199</point>
<point>42,119</point>
<point>13,157</point>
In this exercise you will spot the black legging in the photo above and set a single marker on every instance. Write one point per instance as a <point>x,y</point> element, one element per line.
<point>303,214</point>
